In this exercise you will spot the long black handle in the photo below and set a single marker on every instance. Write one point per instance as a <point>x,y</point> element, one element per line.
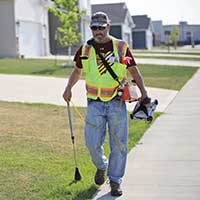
<point>77,175</point>
<point>70,122</point>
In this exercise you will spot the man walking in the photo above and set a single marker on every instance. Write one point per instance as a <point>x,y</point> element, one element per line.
<point>105,107</point>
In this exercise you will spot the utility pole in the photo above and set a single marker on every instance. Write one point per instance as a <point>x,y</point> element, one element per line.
<point>192,40</point>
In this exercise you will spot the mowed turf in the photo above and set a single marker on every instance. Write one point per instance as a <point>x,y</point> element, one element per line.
<point>36,157</point>
<point>166,77</point>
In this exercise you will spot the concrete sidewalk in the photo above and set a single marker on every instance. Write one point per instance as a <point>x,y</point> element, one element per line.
<point>166,166</point>
<point>37,89</point>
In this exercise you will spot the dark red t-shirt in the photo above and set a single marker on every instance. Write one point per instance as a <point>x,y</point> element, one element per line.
<point>106,49</point>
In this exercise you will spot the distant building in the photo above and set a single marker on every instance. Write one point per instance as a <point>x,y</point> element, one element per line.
<point>121,23</point>
<point>188,34</point>
<point>24,28</point>
<point>142,33</point>
<point>158,33</point>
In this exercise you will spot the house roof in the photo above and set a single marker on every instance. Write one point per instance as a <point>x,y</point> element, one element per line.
<point>141,21</point>
<point>116,11</point>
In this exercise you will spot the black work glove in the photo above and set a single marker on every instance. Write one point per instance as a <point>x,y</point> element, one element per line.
<point>146,100</point>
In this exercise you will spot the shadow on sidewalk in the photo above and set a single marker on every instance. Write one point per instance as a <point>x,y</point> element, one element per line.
<point>86,194</point>
<point>106,196</point>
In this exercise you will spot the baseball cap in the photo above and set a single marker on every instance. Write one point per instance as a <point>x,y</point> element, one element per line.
<point>99,19</point>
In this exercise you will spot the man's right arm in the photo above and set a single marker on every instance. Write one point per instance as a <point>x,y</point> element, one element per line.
<point>75,76</point>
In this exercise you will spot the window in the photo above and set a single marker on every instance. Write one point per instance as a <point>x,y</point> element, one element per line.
<point>167,32</point>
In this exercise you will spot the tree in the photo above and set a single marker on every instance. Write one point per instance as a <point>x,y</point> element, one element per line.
<point>174,36</point>
<point>68,14</point>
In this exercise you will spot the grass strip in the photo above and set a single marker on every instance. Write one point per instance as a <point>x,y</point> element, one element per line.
<point>36,159</point>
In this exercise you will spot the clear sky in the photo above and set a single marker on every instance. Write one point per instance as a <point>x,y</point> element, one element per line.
<point>169,11</point>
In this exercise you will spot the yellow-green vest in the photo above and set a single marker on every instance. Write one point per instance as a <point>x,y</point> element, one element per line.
<point>103,86</point>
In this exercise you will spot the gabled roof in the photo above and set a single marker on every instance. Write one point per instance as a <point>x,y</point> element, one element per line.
<point>116,11</point>
<point>141,21</point>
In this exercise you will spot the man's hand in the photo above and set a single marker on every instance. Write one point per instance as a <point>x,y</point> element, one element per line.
<point>67,95</point>
<point>72,81</point>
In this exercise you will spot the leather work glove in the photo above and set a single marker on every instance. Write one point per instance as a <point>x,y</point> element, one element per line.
<point>126,60</point>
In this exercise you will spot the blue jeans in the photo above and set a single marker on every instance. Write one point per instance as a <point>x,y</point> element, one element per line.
<point>114,115</point>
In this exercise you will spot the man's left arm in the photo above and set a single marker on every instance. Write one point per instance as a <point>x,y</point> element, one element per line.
<point>135,73</point>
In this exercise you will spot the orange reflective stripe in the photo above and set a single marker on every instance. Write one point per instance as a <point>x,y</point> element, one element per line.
<point>117,45</point>
<point>108,89</point>
<point>92,94</point>
<point>87,50</point>
<point>107,92</point>
<point>121,48</point>
<point>91,90</point>
<point>91,86</point>
<point>104,92</point>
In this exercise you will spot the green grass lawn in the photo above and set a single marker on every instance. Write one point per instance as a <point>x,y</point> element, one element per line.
<point>36,153</point>
<point>168,77</point>
<point>41,67</point>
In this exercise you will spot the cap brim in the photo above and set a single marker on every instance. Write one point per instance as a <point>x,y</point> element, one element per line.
<point>98,24</point>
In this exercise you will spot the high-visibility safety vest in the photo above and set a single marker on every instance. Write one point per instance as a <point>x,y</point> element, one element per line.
<point>98,85</point>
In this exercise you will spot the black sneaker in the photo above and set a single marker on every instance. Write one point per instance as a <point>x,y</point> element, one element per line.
<point>100,177</point>
<point>115,189</point>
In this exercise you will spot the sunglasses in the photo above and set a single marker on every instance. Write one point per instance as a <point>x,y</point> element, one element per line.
<point>101,28</point>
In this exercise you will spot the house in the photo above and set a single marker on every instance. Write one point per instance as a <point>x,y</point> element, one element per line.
<point>142,33</point>
<point>121,23</point>
<point>84,22</point>
<point>158,32</point>
<point>188,34</point>
<point>24,28</point>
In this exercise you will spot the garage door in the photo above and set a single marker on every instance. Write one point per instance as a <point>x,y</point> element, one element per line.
<point>139,40</point>
<point>7,34</point>
<point>30,39</point>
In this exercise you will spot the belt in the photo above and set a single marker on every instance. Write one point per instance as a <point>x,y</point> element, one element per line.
<point>99,100</point>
